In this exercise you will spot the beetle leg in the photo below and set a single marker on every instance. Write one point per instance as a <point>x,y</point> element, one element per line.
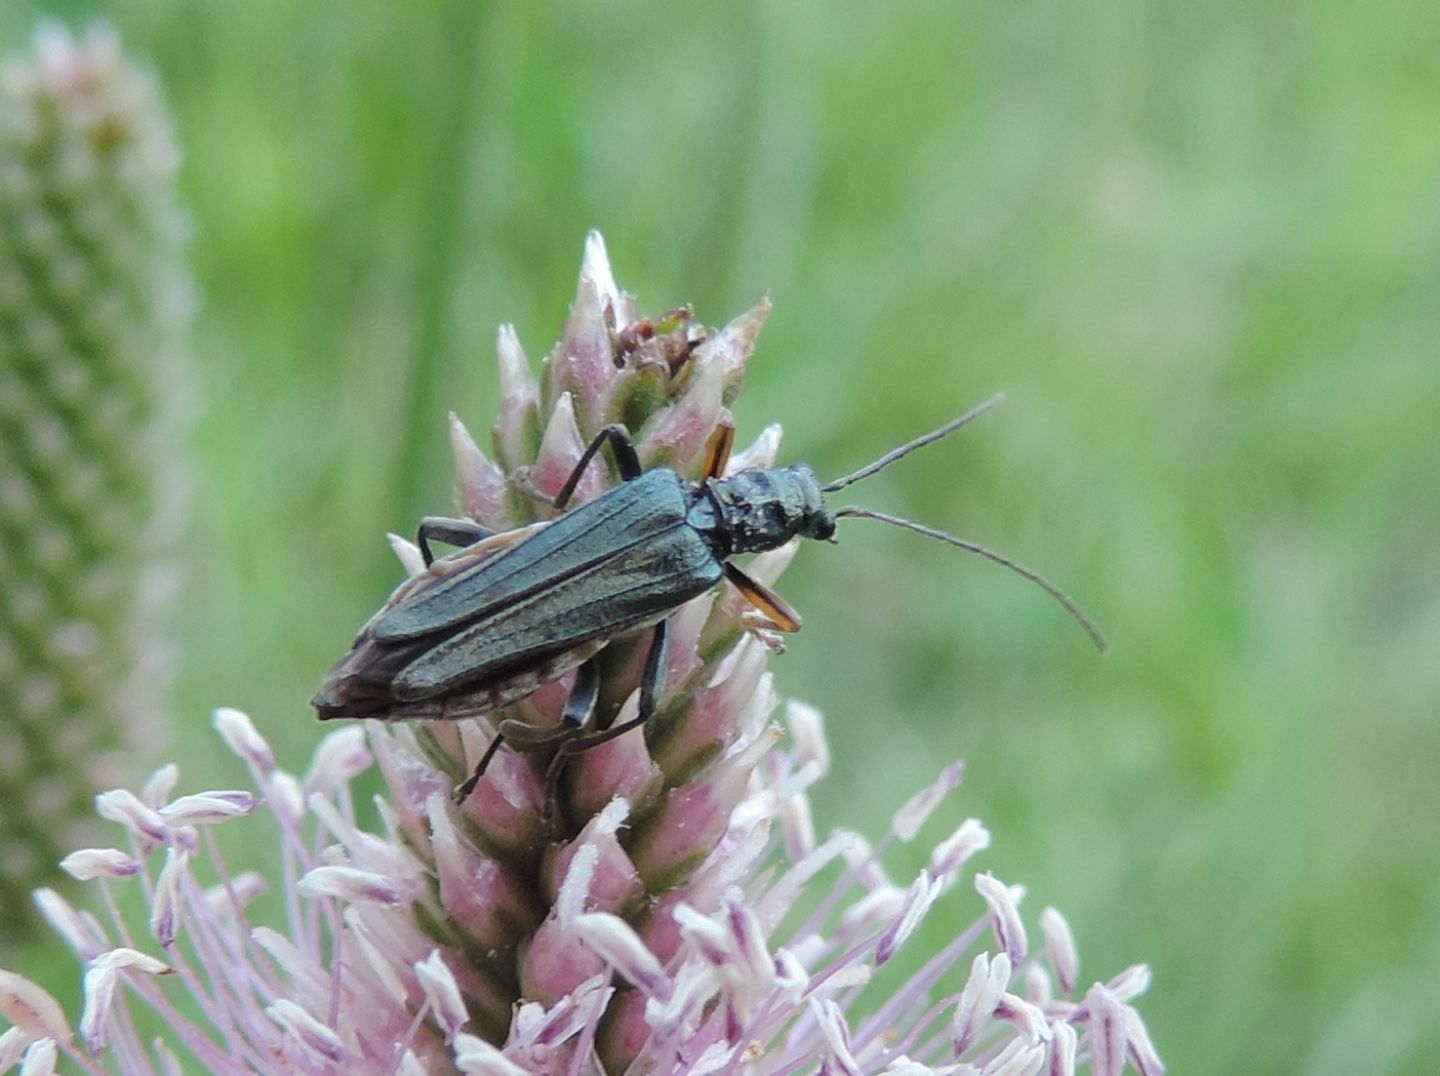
<point>625,458</point>
<point>456,532</point>
<point>717,452</point>
<point>652,682</point>
<point>775,608</point>
<point>522,736</point>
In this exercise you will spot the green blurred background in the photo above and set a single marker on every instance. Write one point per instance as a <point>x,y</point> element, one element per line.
<point>1197,245</point>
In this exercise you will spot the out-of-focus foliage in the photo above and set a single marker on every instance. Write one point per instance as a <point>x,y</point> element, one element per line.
<point>94,305</point>
<point>1197,245</point>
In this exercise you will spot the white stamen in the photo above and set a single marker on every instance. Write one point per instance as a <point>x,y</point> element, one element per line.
<point>309,1032</point>
<point>165,908</point>
<point>1004,916</point>
<point>89,863</point>
<point>989,976</point>
<point>239,734</point>
<point>1130,983</point>
<point>443,993</point>
<point>341,757</point>
<point>831,1022</point>
<point>348,883</point>
<point>918,901</point>
<point>1018,1058</point>
<point>616,941</point>
<point>807,729</point>
<point>1026,1017</point>
<point>1107,1031</point>
<point>1063,1048</point>
<point>120,805</point>
<point>79,929</point>
<point>476,1057</point>
<point>209,808</point>
<point>31,1008</point>
<point>911,817</point>
<point>228,901</point>
<point>1143,1054</point>
<point>40,1059</point>
<point>15,1043</point>
<point>1060,949</point>
<point>161,784</point>
<point>955,850</point>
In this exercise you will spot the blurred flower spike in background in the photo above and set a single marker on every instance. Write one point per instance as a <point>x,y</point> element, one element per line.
<point>95,309</point>
<point>675,912</point>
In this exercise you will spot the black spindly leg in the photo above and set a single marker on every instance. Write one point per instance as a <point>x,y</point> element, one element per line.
<point>456,532</point>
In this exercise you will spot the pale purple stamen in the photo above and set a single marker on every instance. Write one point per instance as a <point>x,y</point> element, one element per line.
<point>1060,949</point>
<point>240,736</point>
<point>90,863</point>
<point>916,812</point>
<point>1004,916</point>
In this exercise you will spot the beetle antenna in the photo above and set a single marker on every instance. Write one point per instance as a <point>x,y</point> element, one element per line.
<point>1076,613</point>
<point>910,446</point>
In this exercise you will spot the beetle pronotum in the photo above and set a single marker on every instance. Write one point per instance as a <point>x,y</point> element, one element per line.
<point>512,611</point>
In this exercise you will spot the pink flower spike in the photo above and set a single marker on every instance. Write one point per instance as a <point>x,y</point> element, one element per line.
<point>583,363</point>
<point>1004,916</point>
<point>518,429</point>
<point>31,1008</point>
<point>1060,949</point>
<point>733,345</point>
<point>560,449</point>
<point>620,768</point>
<point>89,863</point>
<point>483,491</point>
<point>611,881</point>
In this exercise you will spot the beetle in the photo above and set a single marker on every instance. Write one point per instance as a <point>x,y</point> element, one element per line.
<point>514,610</point>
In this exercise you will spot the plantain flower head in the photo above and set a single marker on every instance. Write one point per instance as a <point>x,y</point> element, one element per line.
<point>676,912</point>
